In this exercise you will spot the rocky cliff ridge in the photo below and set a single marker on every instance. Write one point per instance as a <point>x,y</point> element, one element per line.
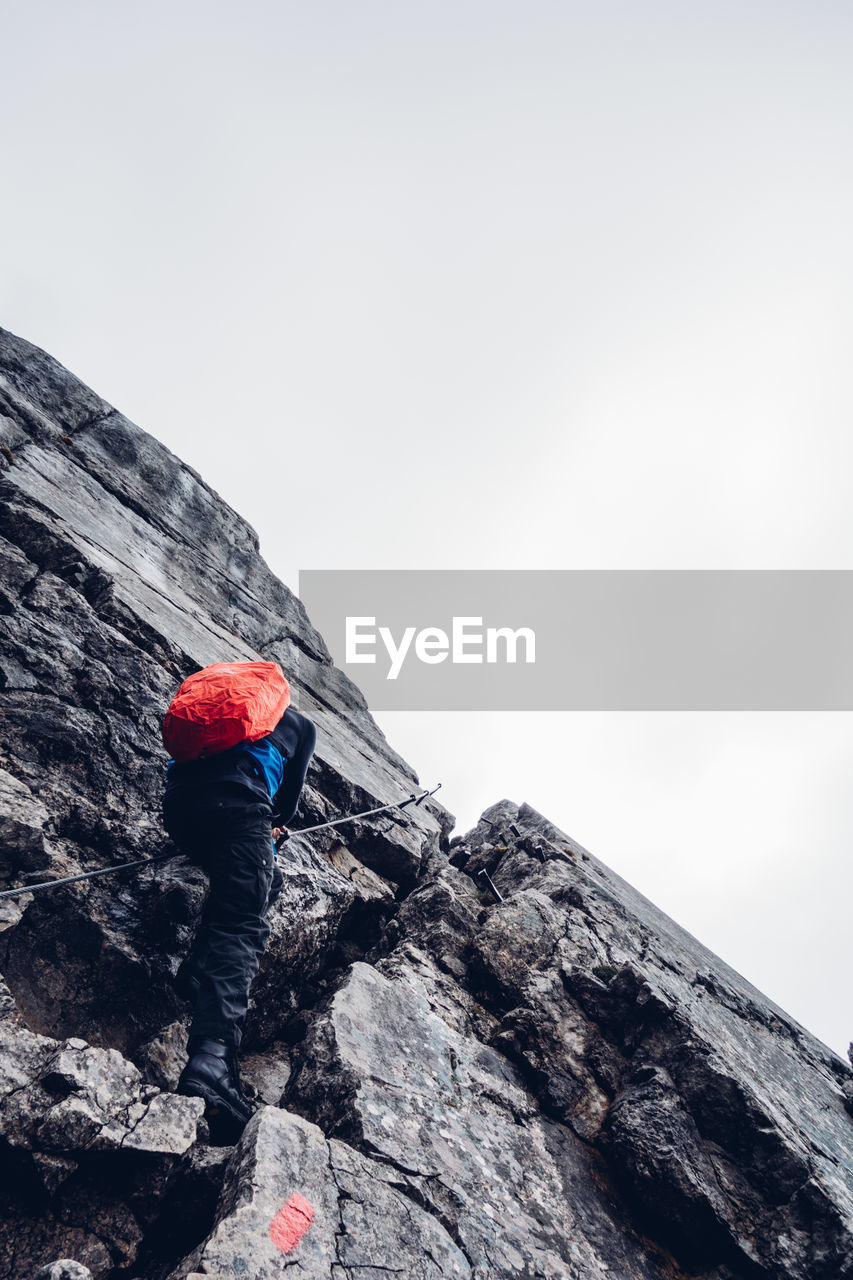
<point>559,1084</point>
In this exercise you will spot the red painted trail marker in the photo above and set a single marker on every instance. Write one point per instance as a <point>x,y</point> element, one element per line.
<point>290,1223</point>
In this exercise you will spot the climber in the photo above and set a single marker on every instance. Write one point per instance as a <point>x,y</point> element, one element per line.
<point>219,810</point>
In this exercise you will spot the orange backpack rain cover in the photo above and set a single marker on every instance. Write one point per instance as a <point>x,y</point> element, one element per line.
<point>223,705</point>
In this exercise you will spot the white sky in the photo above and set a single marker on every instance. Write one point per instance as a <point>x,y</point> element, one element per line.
<point>490,285</point>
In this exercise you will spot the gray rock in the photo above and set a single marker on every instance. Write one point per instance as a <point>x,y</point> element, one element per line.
<point>350,1216</point>
<point>70,1117</point>
<point>22,822</point>
<point>563,1084</point>
<point>265,1074</point>
<point>162,1059</point>
<point>391,1068</point>
<point>72,1097</point>
<point>847,1091</point>
<point>63,1269</point>
<point>721,1119</point>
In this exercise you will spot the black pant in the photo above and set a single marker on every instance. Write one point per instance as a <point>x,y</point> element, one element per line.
<point>228,832</point>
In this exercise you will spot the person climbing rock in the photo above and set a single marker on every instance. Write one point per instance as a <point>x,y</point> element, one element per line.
<point>219,809</point>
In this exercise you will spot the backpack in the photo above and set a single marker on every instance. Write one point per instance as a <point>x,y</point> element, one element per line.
<point>224,705</point>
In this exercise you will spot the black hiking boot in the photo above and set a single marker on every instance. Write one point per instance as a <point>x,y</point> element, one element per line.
<point>212,1074</point>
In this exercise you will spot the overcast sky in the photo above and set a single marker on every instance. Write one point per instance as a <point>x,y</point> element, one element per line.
<point>491,285</point>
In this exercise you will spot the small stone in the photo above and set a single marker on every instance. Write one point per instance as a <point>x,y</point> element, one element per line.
<point>63,1269</point>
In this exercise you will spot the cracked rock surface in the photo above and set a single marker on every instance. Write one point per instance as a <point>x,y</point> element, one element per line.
<point>88,1149</point>
<point>361,1222</point>
<point>563,1085</point>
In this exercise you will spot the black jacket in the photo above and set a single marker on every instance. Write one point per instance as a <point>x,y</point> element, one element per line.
<point>294,736</point>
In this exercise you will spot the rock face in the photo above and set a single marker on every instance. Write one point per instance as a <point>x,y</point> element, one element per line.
<point>559,1084</point>
<point>91,1148</point>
